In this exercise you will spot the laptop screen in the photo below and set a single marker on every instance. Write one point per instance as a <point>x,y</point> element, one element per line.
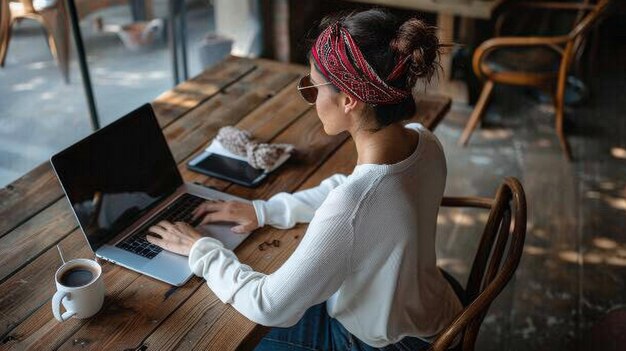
<point>117,174</point>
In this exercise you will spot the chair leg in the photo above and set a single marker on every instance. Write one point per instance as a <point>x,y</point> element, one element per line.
<point>478,112</point>
<point>55,23</point>
<point>559,110</point>
<point>4,47</point>
<point>5,34</point>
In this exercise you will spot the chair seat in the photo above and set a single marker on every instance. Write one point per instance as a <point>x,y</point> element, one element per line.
<point>18,10</point>
<point>43,4</point>
<point>539,59</point>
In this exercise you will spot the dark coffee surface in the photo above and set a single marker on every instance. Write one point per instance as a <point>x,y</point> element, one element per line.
<point>77,276</point>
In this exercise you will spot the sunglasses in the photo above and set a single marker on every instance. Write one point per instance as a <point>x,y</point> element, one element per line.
<point>308,90</point>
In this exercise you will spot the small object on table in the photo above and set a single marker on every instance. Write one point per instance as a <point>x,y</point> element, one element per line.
<point>265,244</point>
<point>259,155</point>
<point>61,254</point>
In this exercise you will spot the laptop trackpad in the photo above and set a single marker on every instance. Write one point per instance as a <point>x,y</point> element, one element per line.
<point>166,266</point>
<point>222,232</point>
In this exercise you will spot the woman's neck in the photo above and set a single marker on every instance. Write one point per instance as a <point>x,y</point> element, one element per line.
<point>388,145</point>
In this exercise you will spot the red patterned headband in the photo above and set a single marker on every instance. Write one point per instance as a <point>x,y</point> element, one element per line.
<point>341,62</point>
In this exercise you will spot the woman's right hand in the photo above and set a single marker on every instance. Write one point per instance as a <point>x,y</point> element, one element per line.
<point>228,211</point>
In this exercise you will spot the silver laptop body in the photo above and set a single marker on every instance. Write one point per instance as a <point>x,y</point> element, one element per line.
<point>121,179</point>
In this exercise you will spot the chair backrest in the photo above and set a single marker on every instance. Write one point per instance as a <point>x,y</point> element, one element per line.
<point>496,260</point>
<point>4,11</point>
<point>28,6</point>
<point>588,17</point>
<point>5,24</point>
<point>570,17</point>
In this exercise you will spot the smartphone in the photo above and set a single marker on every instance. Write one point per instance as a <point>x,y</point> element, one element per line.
<point>227,168</point>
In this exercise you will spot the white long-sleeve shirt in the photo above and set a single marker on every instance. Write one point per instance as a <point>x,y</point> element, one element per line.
<point>369,251</point>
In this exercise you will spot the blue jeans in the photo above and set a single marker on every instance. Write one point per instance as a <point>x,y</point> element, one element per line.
<point>318,331</point>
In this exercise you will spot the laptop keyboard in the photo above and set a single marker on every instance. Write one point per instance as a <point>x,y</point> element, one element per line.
<point>179,211</point>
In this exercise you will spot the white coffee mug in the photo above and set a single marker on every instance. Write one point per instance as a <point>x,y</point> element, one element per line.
<point>80,293</point>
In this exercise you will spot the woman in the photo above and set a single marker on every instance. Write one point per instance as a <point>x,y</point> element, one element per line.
<point>364,276</point>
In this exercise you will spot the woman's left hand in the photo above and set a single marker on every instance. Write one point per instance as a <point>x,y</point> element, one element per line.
<point>176,237</point>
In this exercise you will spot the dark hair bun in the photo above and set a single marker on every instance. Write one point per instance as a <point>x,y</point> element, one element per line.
<point>383,39</point>
<point>419,41</point>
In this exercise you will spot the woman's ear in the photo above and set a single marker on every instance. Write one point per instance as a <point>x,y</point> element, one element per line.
<point>349,103</point>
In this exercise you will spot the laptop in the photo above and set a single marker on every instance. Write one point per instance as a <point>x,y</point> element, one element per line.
<point>121,180</point>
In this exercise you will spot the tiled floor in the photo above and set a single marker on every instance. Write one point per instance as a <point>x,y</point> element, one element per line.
<point>573,272</point>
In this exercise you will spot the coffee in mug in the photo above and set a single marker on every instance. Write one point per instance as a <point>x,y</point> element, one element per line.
<point>80,289</point>
<point>77,276</point>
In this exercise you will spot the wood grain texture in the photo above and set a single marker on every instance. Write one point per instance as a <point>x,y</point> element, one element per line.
<point>282,66</point>
<point>189,94</point>
<point>27,196</point>
<point>188,133</point>
<point>26,242</point>
<point>265,123</point>
<point>130,315</point>
<point>42,331</point>
<point>33,285</point>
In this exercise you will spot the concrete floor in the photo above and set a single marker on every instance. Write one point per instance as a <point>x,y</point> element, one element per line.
<point>573,273</point>
<point>40,114</point>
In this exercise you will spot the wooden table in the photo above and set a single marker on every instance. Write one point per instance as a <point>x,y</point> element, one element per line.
<point>140,312</point>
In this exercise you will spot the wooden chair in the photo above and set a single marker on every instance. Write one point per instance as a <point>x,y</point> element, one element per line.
<point>5,27</point>
<point>491,269</point>
<point>543,61</point>
<point>52,17</point>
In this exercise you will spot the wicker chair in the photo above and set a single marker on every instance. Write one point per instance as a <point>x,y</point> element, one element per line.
<point>492,269</point>
<point>541,61</point>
